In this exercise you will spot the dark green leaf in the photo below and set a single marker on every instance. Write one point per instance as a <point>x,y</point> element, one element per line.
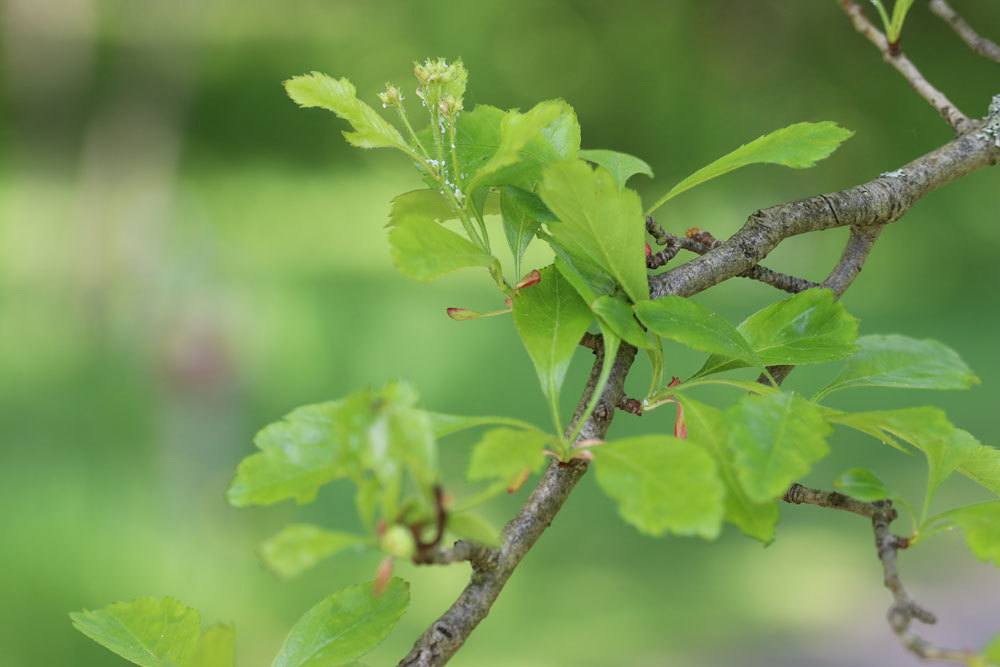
<point>621,166</point>
<point>344,626</point>
<point>598,223</point>
<point>551,318</point>
<point>798,146</point>
<point>775,439</point>
<point>662,484</point>
<point>521,213</point>
<point>905,363</point>
<point>618,315</point>
<point>299,547</point>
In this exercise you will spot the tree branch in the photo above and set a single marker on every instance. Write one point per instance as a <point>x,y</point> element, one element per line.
<point>878,202</point>
<point>979,44</point>
<point>903,610</point>
<point>945,107</point>
<point>489,575</point>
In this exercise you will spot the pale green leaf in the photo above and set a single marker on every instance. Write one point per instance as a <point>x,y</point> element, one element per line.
<point>444,424</point>
<point>692,324</point>
<point>599,223</point>
<point>621,166</point>
<point>522,213</point>
<point>424,250</point>
<point>551,318</point>
<point>983,467</point>
<point>798,146</point>
<point>344,626</point>
<point>662,484</point>
<point>618,315</point>
<point>775,440</point>
<point>216,648</point>
<point>862,484</point>
<point>298,547</point>
<point>707,428</point>
<point>473,527</point>
<point>420,205</point>
<point>340,97</point>
<point>980,525</point>
<point>151,632</point>
<point>810,327</point>
<point>903,363</point>
<point>505,454</point>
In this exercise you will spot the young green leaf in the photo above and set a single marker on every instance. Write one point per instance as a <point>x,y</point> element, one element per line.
<point>618,315</point>
<point>598,223</point>
<point>473,527</point>
<point>904,363</point>
<point>551,318</point>
<point>862,484</point>
<point>522,213</point>
<point>216,648</point>
<point>298,455</point>
<point>505,454</point>
<point>797,146</point>
<point>344,626</point>
<point>340,97</point>
<point>298,547</point>
<point>621,166</point>
<point>775,439</point>
<point>980,525</point>
<point>420,205</point>
<point>983,467</point>
<point>443,424</point>
<point>946,447</point>
<point>424,250</point>
<point>810,327</point>
<point>662,484</point>
<point>151,632</point>
<point>692,324</point>
<point>707,428</point>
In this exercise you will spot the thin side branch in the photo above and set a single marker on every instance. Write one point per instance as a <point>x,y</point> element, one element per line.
<point>945,107</point>
<point>984,47</point>
<point>903,610</point>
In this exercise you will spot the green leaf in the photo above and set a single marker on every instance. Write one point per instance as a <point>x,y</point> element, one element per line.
<point>150,632</point>
<point>621,166</point>
<point>420,205</point>
<point>504,455</point>
<point>797,146</point>
<point>344,626</point>
<point>473,527</point>
<point>862,484</point>
<point>775,439</point>
<point>903,363</point>
<point>810,327</point>
<point>946,447</point>
<point>707,428</point>
<point>618,315</point>
<point>216,648</point>
<point>983,467</point>
<point>980,525</point>
<point>692,324</point>
<point>511,148</point>
<point>598,222</point>
<point>551,318</point>
<point>521,213</point>
<point>662,484</point>
<point>424,250</point>
<point>298,455</point>
<point>298,547</point>
<point>443,424</point>
<point>340,97</point>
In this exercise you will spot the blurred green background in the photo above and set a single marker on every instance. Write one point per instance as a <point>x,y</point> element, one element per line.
<point>185,256</point>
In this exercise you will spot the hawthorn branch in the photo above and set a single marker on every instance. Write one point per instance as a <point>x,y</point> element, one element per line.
<point>890,54</point>
<point>984,47</point>
<point>904,610</point>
